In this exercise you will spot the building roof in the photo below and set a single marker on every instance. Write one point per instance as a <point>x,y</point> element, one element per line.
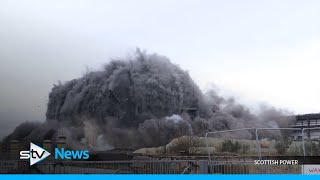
<point>308,116</point>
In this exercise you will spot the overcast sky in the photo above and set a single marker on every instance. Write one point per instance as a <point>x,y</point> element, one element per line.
<point>258,51</point>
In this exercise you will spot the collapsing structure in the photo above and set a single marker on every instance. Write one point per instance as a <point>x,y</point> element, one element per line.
<point>140,101</point>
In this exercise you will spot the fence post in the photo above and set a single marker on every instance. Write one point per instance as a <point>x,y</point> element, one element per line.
<point>203,167</point>
<point>258,149</point>
<point>303,145</point>
<point>258,144</point>
<point>207,141</point>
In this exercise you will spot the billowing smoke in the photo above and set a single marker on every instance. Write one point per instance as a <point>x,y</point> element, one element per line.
<point>141,101</point>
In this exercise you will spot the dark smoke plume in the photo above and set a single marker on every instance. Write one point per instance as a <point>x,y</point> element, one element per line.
<point>141,101</point>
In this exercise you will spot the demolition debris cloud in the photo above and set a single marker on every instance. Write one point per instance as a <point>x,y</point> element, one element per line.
<point>140,101</point>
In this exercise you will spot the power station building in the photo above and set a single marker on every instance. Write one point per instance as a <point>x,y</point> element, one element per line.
<point>311,123</point>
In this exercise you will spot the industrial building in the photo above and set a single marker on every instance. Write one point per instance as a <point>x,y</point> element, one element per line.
<point>311,123</point>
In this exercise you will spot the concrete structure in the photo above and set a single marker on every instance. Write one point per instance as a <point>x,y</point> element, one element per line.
<point>62,142</point>
<point>307,121</point>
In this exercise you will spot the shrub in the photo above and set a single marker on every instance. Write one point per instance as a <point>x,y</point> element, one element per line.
<point>245,148</point>
<point>282,146</point>
<point>296,151</point>
<point>230,146</point>
<point>312,148</point>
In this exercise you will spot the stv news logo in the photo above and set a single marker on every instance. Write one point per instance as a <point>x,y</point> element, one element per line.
<point>37,154</point>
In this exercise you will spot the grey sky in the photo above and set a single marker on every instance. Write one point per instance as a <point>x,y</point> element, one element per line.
<point>258,51</point>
